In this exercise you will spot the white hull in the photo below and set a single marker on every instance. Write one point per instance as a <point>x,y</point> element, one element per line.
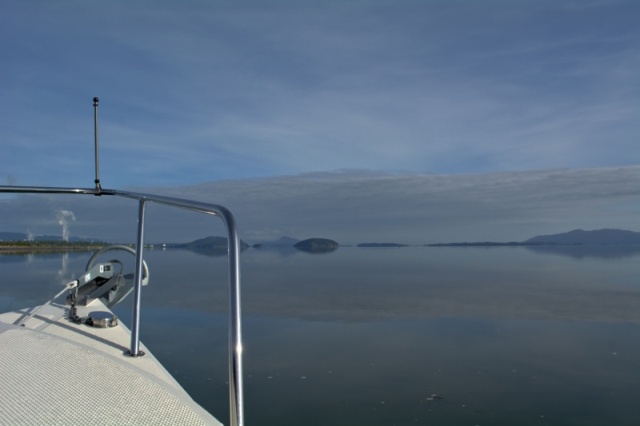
<point>56,372</point>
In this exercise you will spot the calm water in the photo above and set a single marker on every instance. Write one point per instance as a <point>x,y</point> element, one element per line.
<point>506,336</point>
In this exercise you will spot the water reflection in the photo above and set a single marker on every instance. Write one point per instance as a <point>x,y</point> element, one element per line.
<point>589,251</point>
<point>372,284</point>
<point>63,272</point>
<point>366,336</point>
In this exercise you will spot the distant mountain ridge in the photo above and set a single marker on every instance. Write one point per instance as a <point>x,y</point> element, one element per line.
<point>21,236</point>
<point>579,236</point>
<point>13,236</point>
<point>208,243</point>
<point>281,242</point>
<point>576,237</point>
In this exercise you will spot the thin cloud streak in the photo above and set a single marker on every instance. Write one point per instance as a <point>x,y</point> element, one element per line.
<point>360,206</point>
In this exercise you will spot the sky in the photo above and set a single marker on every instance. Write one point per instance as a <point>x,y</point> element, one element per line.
<point>411,121</point>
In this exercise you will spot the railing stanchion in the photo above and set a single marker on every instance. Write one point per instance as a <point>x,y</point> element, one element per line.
<point>236,392</point>
<point>137,293</point>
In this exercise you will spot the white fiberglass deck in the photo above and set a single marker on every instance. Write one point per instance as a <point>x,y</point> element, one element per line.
<point>55,372</point>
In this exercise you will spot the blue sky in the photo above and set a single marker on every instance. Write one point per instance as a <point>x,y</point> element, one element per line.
<point>197,92</point>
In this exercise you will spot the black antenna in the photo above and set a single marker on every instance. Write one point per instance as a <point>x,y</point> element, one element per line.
<point>95,132</point>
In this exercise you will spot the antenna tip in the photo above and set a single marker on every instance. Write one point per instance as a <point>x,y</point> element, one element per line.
<point>95,101</point>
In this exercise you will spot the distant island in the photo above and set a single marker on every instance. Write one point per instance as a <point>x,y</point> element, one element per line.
<point>210,246</point>
<point>485,244</point>
<point>317,245</point>
<point>571,238</point>
<point>381,245</point>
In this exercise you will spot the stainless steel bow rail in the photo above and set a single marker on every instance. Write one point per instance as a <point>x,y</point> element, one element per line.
<point>236,401</point>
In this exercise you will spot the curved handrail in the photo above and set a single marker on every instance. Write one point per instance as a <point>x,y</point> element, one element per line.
<point>236,399</point>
